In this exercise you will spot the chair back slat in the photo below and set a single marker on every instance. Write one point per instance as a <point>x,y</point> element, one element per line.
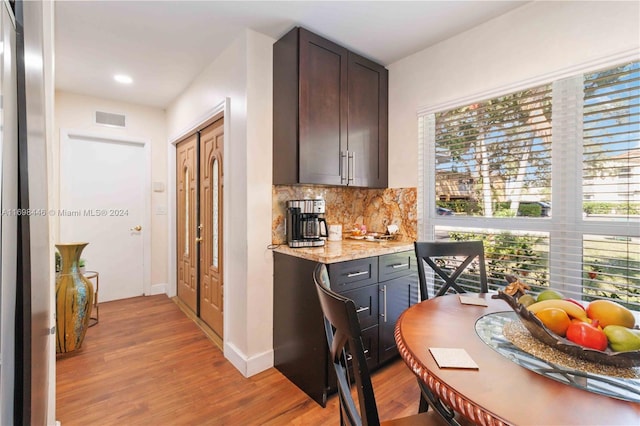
<point>469,251</point>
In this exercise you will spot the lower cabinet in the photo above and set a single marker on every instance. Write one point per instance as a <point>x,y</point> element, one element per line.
<point>382,287</point>
<point>395,297</point>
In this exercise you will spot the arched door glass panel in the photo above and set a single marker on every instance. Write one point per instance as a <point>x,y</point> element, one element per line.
<point>186,211</point>
<point>214,209</point>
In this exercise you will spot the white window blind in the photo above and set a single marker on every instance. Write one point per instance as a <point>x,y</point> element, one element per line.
<point>548,178</point>
<point>611,159</point>
<point>611,184</point>
<point>492,155</point>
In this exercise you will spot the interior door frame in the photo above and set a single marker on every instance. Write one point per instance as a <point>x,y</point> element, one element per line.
<point>66,135</point>
<point>220,110</point>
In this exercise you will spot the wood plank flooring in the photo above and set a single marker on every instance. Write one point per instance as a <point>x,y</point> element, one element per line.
<point>146,363</point>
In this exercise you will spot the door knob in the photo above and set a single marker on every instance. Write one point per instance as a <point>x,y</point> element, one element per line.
<point>136,228</point>
<point>198,239</point>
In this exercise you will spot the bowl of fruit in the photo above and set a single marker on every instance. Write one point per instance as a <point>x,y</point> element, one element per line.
<point>602,331</point>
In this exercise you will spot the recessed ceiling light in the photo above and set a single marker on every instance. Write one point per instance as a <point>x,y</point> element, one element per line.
<point>124,79</point>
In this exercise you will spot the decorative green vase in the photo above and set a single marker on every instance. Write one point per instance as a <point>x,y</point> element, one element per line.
<point>74,299</point>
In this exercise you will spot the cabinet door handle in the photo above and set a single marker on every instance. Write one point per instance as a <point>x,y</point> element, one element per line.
<point>344,167</point>
<point>352,165</point>
<point>356,274</point>
<point>399,265</point>
<point>362,309</point>
<point>384,303</point>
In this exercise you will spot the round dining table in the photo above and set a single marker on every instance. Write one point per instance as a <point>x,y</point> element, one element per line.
<point>499,391</point>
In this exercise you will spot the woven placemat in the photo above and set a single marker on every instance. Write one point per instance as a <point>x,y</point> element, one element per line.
<point>517,334</point>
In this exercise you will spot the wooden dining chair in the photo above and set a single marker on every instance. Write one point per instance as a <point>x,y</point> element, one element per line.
<point>347,354</point>
<point>451,262</point>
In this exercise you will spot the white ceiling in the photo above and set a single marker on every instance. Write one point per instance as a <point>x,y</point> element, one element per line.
<point>164,45</point>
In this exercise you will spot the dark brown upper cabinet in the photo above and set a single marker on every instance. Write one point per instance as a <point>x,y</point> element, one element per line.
<point>330,114</point>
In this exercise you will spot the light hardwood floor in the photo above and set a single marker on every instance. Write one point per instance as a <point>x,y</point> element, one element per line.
<point>146,363</point>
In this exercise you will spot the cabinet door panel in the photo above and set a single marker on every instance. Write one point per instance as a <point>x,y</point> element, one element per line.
<point>368,122</point>
<point>395,297</point>
<point>366,301</point>
<point>323,113</point>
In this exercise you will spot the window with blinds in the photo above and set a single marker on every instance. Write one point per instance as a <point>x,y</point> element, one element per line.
<point>494,169</point>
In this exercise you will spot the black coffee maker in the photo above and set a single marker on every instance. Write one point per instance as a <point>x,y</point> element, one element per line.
<point>305,225</point>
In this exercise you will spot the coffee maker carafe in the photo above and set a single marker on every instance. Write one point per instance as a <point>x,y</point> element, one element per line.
<point>305,225</point>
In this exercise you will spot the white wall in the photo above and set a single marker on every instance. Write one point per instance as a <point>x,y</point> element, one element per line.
<point>529,42</point>
<point>241,74</point>
<point>259,195</point>
<point>76,112</point>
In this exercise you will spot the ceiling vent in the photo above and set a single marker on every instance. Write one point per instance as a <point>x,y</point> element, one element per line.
<point>110,119</point>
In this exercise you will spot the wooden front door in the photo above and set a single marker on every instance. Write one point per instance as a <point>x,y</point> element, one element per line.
<point>211,183</point>
<point>187,226</point>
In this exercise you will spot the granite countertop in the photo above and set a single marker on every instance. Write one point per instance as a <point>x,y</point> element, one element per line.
<point>347,249</point>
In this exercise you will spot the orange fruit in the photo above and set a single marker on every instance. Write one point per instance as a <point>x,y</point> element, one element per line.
<point>555,319</point>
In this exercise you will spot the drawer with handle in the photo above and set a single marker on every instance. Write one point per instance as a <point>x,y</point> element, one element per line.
<point>353,274</point>
<point>397,265</point>
<point>366,301</point>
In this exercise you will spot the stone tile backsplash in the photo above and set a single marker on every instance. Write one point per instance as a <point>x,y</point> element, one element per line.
<point>375,208</point>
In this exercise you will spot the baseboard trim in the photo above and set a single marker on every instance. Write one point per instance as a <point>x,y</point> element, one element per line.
<point>158,289</point>
<point>260,362</point>
<point>248,366</point>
